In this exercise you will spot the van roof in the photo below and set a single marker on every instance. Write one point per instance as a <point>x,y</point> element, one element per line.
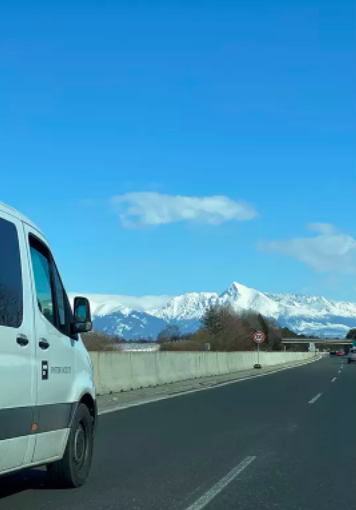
<point>13,212</point>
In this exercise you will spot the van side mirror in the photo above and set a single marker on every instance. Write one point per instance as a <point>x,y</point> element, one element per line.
<point>82,316</point>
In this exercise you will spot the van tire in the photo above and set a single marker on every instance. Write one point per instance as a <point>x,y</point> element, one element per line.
<point>73,469</point>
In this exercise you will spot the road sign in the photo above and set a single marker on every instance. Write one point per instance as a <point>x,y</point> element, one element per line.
<point>259,337</point>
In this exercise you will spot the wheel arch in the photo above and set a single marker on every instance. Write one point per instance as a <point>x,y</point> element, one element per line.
<point>91,404</point>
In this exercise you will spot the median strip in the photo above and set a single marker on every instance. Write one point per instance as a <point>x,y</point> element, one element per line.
<point>210,494</point>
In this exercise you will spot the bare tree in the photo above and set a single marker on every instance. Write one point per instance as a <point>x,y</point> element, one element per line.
<point>98,341</point>
<point>170,333</point>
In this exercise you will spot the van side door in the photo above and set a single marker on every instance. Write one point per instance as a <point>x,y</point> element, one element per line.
<point>17,348</point>
<point>55,352</point>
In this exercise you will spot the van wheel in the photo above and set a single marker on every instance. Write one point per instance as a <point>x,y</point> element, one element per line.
<point>73,469</point>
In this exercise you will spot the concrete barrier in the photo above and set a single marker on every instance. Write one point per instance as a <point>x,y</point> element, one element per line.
<point>123,371</point>
<point>143,370</point>
<point>113,372</point>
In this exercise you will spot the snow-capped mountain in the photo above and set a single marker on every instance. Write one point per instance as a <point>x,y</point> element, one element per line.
<point>302,314</point>
<point>115,315</point>
<point>131,326</point>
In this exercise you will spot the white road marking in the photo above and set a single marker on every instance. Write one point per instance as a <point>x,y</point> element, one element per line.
<point>339,372</point>
<point>315,398</point>
<point>334,379</point>
<point>157,398</point>
<point>201,503</point>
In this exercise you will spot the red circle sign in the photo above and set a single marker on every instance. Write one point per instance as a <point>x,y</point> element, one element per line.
<point>259,337</point>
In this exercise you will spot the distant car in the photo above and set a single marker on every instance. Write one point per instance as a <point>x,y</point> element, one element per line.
<point>332,353</point>
<point>351,357</point>
<point>340,353</point>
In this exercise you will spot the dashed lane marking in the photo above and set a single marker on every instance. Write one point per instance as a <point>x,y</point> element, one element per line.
<point>210,494</point>
<point>313,400</point>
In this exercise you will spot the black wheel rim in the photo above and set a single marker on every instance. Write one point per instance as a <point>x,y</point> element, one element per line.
<point>81,447</point>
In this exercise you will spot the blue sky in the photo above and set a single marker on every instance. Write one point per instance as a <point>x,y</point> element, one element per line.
<point>149,102</point>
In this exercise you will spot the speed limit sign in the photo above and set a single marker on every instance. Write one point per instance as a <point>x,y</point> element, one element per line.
<point>259,337</point>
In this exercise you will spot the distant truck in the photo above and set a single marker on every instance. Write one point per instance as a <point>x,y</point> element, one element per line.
<point>48,410</point>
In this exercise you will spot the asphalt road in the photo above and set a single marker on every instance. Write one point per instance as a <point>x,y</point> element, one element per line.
<point>256,444</point>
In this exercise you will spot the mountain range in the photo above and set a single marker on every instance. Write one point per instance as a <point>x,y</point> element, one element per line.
<point>133,318</point>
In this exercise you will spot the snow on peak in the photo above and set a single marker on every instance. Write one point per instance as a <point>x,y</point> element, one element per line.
<point>235,290</point>
<point>187,306</point>
<point>193,305</point>
<point>241,297</point>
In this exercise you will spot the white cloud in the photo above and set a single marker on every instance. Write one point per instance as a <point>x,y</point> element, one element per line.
<point>322,228</point>
<point>329,251</point>
<point>108,303</point>
<point>150,208</point>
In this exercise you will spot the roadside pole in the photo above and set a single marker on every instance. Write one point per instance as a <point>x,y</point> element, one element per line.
<point>258,337</point>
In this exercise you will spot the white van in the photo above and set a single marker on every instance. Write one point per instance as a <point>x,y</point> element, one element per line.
<point>47,397</point>
<point>351,357</point>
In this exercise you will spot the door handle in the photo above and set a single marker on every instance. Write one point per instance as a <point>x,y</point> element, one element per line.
<point>43,343</point>
<point>22,340</point>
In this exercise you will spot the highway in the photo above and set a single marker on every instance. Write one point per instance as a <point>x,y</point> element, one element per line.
<point>285,441</point>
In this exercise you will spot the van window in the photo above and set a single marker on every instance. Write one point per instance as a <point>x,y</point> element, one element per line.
<point>60,298</point>
<point>11,295</point>
<point>62,304</point>
<point>42,275</point>
<point>51,296</point>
